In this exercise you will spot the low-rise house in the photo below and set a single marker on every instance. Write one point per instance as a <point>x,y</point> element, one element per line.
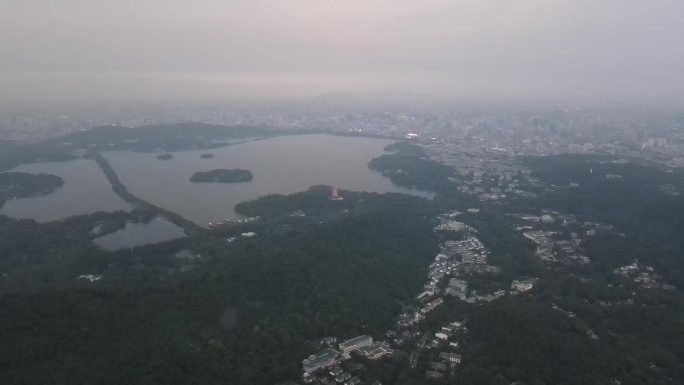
<point>335,371</point>
<point>344,376</point>
<point>90,277</point>
<point>521,286</point>
<point>308,378</point>
<point>451,358</point>
<point>377,350</point>
<point>430,306</point>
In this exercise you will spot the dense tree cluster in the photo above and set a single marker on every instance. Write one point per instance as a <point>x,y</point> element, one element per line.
<point>12,154</point>
<point>643,201</point>
<point>340,277</point>
<point>216,307</point>
<point>15,185</point>
<point>222,176</point>
<point>409,166</point>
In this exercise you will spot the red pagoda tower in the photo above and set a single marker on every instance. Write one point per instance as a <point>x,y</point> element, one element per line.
<point>335,195</point>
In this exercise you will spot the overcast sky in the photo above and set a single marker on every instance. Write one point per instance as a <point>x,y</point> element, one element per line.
<point>594,50</point>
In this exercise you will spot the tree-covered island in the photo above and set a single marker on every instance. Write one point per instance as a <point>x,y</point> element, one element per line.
<point>222,176</point>
<point>23,185</point>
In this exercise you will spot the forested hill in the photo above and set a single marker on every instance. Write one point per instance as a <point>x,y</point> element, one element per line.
<point>644,202</point>
<point>13,154</point>
<point>245,302</point>
<point>243,314</point>
<point>409,166</point>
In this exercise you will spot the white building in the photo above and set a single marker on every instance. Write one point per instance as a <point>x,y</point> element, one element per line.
<point>356,343</point>
<point>522,286</point>
<point>441,336</point>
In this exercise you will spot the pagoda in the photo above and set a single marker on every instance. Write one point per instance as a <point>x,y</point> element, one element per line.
<point>335,194</point>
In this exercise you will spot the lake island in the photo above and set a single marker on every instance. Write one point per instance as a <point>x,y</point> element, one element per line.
<point>222,176</point>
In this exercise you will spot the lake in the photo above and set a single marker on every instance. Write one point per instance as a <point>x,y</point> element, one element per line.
<point>280,165</point>
<point>138,234</point>
<point>85,190</point>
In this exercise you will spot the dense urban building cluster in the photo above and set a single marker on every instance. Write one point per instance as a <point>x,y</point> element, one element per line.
<point>452,134</point>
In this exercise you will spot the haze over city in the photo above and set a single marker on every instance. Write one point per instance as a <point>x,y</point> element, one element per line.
<point>342,192</point>
<point>587,51</point>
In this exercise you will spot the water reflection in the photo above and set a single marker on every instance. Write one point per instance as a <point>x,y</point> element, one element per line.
<point>138,234</point>
<point>281,165</point>
<point>85,190</point>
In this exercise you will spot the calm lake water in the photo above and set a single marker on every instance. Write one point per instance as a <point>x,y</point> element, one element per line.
<point>85,190</point>
<point>280,165</point>
<point>138,234</point>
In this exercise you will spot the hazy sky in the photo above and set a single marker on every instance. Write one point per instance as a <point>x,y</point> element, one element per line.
<point>595,50</point>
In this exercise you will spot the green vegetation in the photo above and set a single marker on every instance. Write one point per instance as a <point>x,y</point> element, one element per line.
<point>410,167</point>
<point>203,310</point>
<point>524,339</point>
<point>645,203</point>
<point>34,256</point>
<point>12,155</point>
<point>110,222</point>
<point>222,176</point>
<point>22,185</point>
<point>290,284</point>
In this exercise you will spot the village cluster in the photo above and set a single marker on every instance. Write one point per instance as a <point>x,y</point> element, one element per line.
<point>643,275</point>
<point>460,253</point>
<point>558,237</point>
<point>459,256</point>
